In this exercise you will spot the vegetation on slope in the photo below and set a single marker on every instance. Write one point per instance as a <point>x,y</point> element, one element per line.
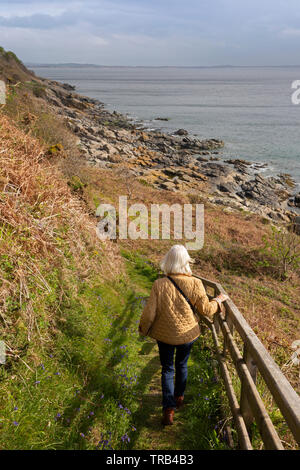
<point>69,304</point>
<point>12,70</point>
<point>69,314</point>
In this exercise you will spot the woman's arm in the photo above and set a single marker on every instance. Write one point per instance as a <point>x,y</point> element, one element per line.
<point>221,298</point>
<point>149,312</point>
<point>203,304</point>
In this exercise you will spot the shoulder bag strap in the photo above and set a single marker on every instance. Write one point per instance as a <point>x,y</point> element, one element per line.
<point>183,294</point>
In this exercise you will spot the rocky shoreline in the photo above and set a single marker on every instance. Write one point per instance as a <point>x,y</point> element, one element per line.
<point>176,162</point>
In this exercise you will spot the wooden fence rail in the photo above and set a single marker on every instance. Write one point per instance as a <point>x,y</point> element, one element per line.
<point>255,358</point>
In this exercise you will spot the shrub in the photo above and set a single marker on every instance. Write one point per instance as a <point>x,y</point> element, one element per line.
<point>282,252</point>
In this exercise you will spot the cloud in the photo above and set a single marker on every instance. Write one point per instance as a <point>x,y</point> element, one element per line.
<point>36,21</point>
<point>150,32</point>
<point>291,32</point>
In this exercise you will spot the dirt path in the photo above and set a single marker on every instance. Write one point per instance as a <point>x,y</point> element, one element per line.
<point>152,435</point>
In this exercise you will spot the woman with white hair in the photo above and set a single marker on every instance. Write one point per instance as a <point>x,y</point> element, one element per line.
<point>169,318</point>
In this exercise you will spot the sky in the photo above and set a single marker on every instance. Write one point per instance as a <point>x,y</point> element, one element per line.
<point>153,32</point>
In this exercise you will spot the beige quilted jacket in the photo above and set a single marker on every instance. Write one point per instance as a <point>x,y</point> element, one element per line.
<point>167,316</point>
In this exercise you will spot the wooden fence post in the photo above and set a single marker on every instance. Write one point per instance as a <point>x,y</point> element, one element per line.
<point>255,358</point>
<point>216,324</point>
<point>244,404</point>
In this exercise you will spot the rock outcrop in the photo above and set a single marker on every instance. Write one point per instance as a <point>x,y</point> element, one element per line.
<point>174,162</point>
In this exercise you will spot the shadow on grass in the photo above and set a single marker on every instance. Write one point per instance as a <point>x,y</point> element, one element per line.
<point>146,415</point>
<point>100,380</point>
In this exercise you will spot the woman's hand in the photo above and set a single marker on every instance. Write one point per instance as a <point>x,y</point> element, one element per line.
<point>222,297</point>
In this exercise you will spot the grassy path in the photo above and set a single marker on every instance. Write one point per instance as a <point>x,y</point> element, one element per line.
<point>98,387</point>
<point>152,434</point>
<point>197,425</point>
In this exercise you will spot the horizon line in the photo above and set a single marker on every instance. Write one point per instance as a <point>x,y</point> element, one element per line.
<point>58,64</point>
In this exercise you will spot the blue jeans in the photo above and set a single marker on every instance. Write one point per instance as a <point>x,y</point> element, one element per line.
<point>166,354</point>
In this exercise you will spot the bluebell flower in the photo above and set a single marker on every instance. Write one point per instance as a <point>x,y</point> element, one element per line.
<point>125,438</point>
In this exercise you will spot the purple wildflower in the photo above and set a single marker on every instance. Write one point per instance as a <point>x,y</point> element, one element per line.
<point>15,423</point>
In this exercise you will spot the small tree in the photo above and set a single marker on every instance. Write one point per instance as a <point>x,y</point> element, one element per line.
<point>283,248</point>
<point>127,178</point>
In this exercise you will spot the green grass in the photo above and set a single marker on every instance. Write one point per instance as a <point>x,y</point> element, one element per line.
<point>87,374</point>
<point>203,425</point>
<point>96,384</point>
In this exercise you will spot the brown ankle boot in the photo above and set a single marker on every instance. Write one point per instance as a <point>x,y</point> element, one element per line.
<point>168,416</point>
<point>179,402</point>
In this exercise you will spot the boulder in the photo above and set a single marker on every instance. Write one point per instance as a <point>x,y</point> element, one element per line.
<point>227,187</point>
<point>181,132</point>
<point>107,133</point>
<point>296,225</point>
<point>297,200</point>
<point>67,86</point>
<point>73,102</point>
<point>144,137</point>
<point>109,149</point>
<point>169,185</point>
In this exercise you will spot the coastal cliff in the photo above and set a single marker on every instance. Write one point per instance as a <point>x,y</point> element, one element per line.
<point>77,375</point>
<point>175,162</point>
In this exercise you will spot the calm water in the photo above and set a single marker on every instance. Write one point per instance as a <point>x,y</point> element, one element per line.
<point>249,108</point>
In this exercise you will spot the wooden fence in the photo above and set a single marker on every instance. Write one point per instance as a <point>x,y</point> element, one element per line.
<point>255,357</point>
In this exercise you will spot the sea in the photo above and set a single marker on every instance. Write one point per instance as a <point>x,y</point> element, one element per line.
<point>250,108</point>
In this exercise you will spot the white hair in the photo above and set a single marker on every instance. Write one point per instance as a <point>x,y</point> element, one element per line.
<point>176,261</point>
